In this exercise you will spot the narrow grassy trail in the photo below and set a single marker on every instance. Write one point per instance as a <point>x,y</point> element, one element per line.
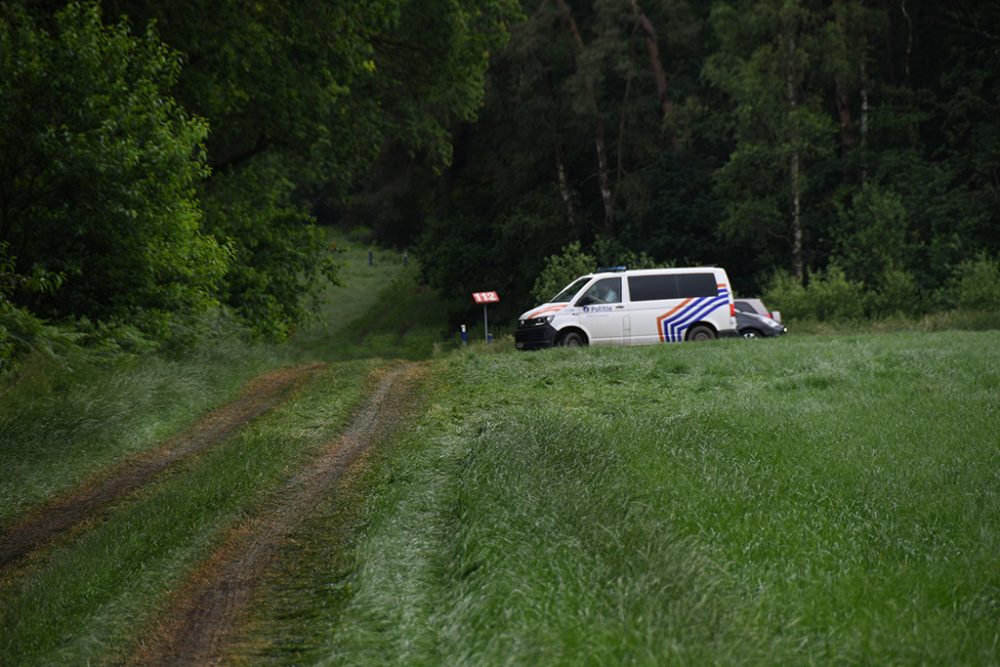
<point>206,610</point>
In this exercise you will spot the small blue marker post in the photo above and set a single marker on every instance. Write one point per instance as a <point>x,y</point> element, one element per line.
<point>465,336</point>
<point>371,258</point>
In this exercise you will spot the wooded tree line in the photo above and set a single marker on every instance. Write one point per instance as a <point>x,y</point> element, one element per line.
<point>846,144</point>
<point>162,163</point>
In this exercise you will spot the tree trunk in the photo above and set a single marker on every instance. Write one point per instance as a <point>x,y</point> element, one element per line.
<point>847,135</point>
<point>795,178</point>
<point>864,113</point>
<point>656,65</point>
<point>564,190</point>
<point>795,160</point>
<point>603,177</point>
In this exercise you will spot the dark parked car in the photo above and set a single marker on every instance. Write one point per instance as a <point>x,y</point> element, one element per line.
<point>753,320</point>
<point>756,306</point>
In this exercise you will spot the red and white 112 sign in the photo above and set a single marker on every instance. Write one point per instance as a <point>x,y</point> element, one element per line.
<point>485,297</point>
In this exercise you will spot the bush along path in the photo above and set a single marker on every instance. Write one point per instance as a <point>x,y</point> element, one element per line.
<point>74,507</point>
<point>208,608</point>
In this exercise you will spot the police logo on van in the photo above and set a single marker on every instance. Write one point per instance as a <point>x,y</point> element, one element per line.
<point>596,309</point>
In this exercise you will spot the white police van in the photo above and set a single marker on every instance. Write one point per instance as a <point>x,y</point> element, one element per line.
<point>620,307</point>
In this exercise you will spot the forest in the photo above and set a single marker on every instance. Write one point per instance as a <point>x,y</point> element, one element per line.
<point>168,170</point>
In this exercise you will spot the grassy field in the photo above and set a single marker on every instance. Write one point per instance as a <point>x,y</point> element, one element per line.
<point>830,500</point>
<point>814,499</point>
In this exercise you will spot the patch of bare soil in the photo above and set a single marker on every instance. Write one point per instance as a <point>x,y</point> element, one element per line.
<point>208,608</point>
<point>76,506</point>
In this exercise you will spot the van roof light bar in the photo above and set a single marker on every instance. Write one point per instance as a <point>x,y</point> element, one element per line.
<point>611,269</point>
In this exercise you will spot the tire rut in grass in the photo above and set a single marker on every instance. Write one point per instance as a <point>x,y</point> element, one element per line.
<point>208,607</point>
<point>70,509</point>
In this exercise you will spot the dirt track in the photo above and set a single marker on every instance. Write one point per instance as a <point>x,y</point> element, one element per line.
<point>76,506</point>
<point>208,607</point>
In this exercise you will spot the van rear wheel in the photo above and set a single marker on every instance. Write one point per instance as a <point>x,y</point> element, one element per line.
<point>572,339</point>
<point>701,332</point>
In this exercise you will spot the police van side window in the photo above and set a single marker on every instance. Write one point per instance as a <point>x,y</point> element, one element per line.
<point>652,288</point>
<point>696,284</point>
<point>608,290</point>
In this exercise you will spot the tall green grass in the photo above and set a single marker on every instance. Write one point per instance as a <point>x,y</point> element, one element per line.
<point>59,423</point>
<point>830,499</point>
<point>88,600</point>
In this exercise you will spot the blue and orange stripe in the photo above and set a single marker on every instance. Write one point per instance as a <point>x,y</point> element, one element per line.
<point>672,325</point>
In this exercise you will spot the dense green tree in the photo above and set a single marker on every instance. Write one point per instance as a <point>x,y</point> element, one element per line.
<point>98,170</point>
<point>301,98</point>
<point>768,63</point>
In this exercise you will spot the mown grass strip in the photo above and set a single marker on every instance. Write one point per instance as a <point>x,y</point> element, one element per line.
<point>769,502</point>
<point>86,601</point>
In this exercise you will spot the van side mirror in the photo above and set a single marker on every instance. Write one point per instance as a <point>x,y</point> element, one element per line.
<point>585,300</point>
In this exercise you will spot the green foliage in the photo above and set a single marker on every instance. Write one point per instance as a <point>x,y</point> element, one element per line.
<point>976,284</point>
<point>22,334</point>
<point>897,293</point>
<point>611,252</point>
<point>764,64</point>
<point>829,295</point>
<point>431,70</point>
<point>560,270</point>
<point>281,259</point>
<point>100,170</point>
<point>834,297</point>
<point>873,235</point>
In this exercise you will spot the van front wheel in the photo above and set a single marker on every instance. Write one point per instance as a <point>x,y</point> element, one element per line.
<point>701,332</point>
<point>572,339</point>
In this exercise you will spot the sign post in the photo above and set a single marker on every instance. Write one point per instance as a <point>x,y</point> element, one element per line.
<point>486,298</point>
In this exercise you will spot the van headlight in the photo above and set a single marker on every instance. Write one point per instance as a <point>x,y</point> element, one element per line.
<point>536,321</point>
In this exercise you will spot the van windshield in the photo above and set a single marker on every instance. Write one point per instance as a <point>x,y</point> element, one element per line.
<point>570,291</point>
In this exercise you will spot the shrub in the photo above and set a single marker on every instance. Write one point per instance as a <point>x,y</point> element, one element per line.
<point>828,296</point>
<point>561,269</point>
<point>786,294</point>
<point>897,294</point>
<point>975,285</point>
<point>834,297</point>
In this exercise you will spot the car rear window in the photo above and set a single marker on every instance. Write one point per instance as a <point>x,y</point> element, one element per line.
<point>676,286</point>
